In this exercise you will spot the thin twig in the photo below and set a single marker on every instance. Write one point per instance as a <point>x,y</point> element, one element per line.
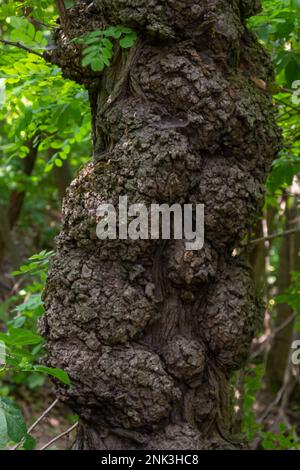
<point>271,336</point>
<point>41,23</point>
<point>275,402</point>
<point>21,46</point>
<point>238,404</point>
<point>284,324</point>
<point>63,434</point>
<point>34,425</point>
<point>289,114</point>
<point>273,235</point>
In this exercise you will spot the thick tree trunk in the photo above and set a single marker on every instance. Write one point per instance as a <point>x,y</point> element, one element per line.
<point>149,332</point>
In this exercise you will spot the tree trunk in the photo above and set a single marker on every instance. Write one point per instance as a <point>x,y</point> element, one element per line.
<point>7,243</point>
<point>5,235</point>
<point>280,351</point>
<point>17,197</point>
<point>62,178</point>
<point>149,332</point>
<point>10,215</point>
<point>257,259</point>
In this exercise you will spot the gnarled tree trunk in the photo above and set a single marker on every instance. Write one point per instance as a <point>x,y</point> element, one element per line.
<point>149,332</point>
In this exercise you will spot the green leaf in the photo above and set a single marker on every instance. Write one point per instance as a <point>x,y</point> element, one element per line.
<point>20,337</point>
<point>29,443</point>
<point>106,61</point>
<point>16,426</point>
<point>58,162</point>
<point>107,54</point>
<point>99,52</point>
<point>95,34</point>
<point>56,145</point>
<point>97,64</point>
<point>107,44</point>
<point>54,372</point>
<point>113,32</point>
<point>3,429</point>
<point>93,50</point>
<point>93,40</point>
<point>87,60</point>
<point>292,71</point>
<point>34,302</point>
<point>18,322</point>
<point>128,41</point>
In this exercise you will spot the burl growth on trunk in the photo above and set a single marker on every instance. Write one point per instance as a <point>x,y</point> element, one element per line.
<point>149,332</point>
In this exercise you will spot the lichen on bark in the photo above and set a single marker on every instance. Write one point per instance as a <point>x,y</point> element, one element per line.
<point>148,332</point>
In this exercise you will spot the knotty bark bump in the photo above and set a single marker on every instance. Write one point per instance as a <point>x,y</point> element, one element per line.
<point>149,332</point>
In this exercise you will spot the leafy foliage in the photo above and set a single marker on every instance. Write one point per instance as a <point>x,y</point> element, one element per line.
<point>37,107</point>
<point>284,438</point>
<point>98,48</point>
<point>278,27</point>
<point>12,424</point>
<point>292,297</point>
<point>24,348</point>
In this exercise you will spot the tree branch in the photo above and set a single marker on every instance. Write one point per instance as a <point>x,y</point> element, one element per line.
<point>274,235</point>
<point>21,46</point>
<point>34,425</point>
<point>65,433</point>
<point>62,11</point>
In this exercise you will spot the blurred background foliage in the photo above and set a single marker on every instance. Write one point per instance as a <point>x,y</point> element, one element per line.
<point>45,139</point>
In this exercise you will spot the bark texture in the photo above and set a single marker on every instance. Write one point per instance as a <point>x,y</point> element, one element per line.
<point>149,332</point>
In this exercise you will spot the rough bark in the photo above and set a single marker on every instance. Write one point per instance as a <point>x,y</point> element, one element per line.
<point>148,332</point>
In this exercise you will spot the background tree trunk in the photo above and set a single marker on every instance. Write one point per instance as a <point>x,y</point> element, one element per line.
<point>149,332</point>
<point>62,176</point>
<point>17,197</point>
<point>10,215</point>
<point>280,351</point>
